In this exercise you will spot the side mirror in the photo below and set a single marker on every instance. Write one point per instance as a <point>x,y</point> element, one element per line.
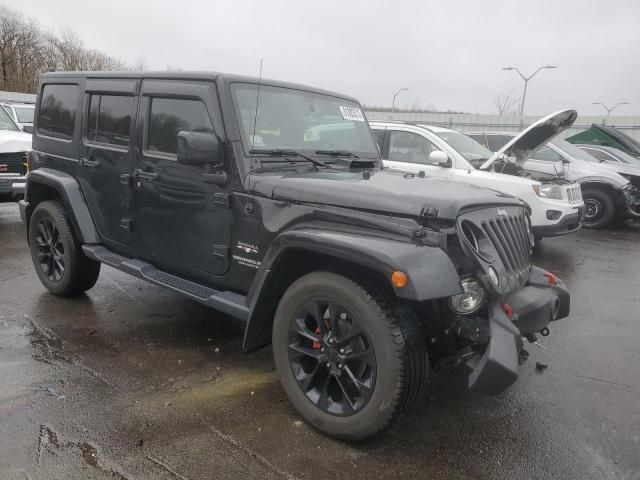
<point>196,148</point>
<point>438,157</point>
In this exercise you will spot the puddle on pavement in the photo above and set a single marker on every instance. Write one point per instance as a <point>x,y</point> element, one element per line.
<point>234,383</point>
<point>62,451</point>
<point>47,347</point>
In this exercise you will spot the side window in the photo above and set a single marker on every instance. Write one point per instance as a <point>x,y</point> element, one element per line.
<point>409,147</point>
<point>110,119</point>
<point>168,116</point>
<point>57,114</point>
<point>496,142</point>
<point>544,153</point>
<point>378,135</point>
<point>600,155</point>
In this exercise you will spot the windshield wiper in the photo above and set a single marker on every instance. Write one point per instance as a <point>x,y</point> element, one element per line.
<point>279,152</point>
<point>337,153</point>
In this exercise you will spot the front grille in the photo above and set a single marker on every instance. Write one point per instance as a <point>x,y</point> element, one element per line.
<point>574,194</point>
<point>498,238</point>
<point>14,162</point>
<point>509,236</point>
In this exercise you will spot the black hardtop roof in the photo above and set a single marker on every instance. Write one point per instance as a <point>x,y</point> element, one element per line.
<point>192,75</point>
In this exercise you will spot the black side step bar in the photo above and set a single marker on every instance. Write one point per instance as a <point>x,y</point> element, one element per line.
<point>228,302</point>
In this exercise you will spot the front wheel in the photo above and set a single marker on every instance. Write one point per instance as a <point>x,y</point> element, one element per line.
<point>599,209</point>
<point>347,361</point>
<point>56,253</point>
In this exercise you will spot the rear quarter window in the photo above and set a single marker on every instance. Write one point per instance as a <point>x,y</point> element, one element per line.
<point>57,114</point>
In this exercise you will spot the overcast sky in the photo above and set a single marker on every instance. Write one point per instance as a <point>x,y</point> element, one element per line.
<point>448,53</point>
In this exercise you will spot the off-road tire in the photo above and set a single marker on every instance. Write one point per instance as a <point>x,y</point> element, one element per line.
<point>604,202</point>
<point>398,342</point>
<point>80,272</point>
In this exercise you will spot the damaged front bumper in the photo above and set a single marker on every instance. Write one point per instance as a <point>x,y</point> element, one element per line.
<point>632,200</point>
<point>522,313</point>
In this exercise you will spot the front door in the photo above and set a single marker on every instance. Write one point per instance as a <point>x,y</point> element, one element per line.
<point>182,223</point>
<point>410,151</point>
<point>106,155</point>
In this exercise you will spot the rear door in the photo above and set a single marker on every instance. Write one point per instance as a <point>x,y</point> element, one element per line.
<point>106,154</point>
<point>182,221</point>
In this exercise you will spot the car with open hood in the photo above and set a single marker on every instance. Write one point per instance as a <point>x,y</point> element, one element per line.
<point>14,146</point>
<point>267,201</point>
<point>611,191</point>
<point>433,151</point>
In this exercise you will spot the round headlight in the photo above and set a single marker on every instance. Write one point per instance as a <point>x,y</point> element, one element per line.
<point>469,301</point>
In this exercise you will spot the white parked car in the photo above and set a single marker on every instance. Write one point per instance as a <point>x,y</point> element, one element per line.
<point>556,207</point>
<point>21,113</point>
<point>14,146</point>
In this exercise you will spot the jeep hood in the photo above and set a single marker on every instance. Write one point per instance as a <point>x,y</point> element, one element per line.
<point>11,141</point>
<point>533,136</point>
<point>381,191</point>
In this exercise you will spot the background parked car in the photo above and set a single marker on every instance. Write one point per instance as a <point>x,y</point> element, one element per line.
<point>610,154</point>
<point>22,114</point>
<point>14,146</point>
<point>611,191</point>
<point>441,152</point>
<point>609,137</point>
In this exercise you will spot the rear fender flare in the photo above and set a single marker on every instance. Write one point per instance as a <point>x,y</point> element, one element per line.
<point>72,198</point>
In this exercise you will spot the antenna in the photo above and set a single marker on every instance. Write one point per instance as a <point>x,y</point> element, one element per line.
<point>255,118</point>
<point>255,121</point>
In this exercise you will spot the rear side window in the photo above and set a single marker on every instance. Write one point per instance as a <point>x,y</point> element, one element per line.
<point>57,114</point>
<point>168,116</point>
<point>110,119</point>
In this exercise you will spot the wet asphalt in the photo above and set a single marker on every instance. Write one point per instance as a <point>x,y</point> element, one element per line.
<point>133,382</point>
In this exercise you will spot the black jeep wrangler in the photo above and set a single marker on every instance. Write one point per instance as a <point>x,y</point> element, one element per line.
<point>267,201</point>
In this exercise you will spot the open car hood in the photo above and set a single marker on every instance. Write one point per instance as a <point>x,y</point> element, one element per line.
<point>521,146</point>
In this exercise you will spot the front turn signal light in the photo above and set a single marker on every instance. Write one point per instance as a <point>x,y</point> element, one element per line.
<point>399,279</point>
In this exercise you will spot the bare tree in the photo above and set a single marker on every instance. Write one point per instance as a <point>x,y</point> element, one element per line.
<point>26,51</point>
<point>140,65</point>
<point>506,102</point>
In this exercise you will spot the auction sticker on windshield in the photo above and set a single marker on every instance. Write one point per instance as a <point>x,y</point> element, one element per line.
<point>352,113</point>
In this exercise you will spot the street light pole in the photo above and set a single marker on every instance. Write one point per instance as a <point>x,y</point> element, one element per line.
<point>526,82</point>
<point>393,103</point>
<point>609,110</point>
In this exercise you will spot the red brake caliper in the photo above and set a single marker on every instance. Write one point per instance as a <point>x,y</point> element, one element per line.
<point>316,345</point>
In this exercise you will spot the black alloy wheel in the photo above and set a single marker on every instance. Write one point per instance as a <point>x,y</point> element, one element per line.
<point>332,357</point>
<point>50,250</point>
<point>349,357</point>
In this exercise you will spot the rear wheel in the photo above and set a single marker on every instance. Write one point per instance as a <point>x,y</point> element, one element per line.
<point>599,209</point>
<point>348,362</point>
<point>57,254</point>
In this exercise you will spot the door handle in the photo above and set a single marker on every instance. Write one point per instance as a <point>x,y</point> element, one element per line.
<point>148,176</point>
<point>85,162</point>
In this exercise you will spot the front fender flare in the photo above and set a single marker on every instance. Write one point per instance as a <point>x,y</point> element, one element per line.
<point>430,271</point>
<point>71,195</point>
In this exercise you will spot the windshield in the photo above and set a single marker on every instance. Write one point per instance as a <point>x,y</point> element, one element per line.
<point>24,114</point>
<point>465,146</point>
<point>289,119</point>
<point>573,151</point>
<point>6,122</point>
